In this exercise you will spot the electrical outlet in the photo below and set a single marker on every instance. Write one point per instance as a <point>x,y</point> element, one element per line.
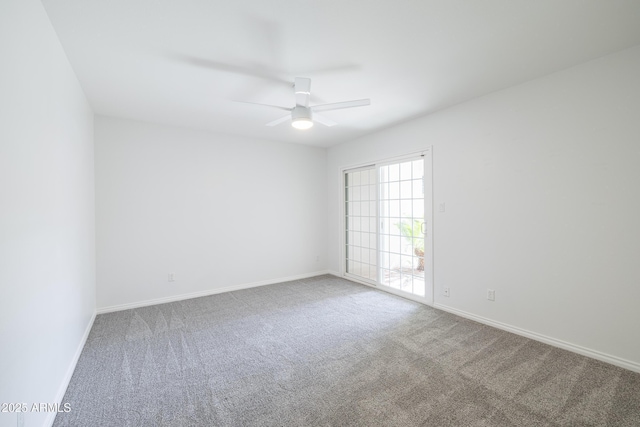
<point>441,207</point>
<point>445,292</point>
<point>172,277</point>
<point>491,295</point>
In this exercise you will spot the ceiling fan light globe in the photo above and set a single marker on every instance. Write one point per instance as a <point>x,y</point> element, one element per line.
<point>302,123</point>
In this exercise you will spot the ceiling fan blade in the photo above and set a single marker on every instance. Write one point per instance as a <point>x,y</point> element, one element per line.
<point>302,89</point>
<point>323,120</point>
<point>280,120</point>
<point>265,105</point>
<point>251,70</point>
<point>331,69</point>
<point>340,105</point>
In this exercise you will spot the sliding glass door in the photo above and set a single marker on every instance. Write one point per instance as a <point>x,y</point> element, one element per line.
<point>361,189</point>
<point>388,225</point>
<point>402,226</point>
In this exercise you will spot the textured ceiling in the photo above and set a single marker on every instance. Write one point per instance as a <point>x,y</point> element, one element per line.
<point>184,62</point>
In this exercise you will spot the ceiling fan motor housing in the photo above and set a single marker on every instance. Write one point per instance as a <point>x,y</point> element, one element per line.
<point>301,113</point>
<point>301,117</point>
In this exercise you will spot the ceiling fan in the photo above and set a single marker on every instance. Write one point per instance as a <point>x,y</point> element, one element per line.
<point>303,115</point>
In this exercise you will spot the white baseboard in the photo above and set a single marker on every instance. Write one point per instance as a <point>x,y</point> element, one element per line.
<point>613,360</point>
<point>67,376</point>
<point>607,358</point>
<point>181,297</point>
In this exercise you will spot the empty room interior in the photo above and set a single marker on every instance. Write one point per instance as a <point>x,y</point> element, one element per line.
<point>320,213</point>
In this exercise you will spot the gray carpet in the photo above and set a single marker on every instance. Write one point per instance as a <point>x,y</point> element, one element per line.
<point>328,352</point>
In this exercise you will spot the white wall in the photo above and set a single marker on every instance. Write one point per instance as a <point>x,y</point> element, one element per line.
<point>541,185</point>
<point>216,210</point>
<point>47,244</point>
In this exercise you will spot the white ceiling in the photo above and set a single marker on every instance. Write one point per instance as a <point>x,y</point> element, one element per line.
<point>183,62</point>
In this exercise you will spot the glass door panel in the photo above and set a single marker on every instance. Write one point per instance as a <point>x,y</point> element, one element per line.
<point>402,226</point>
<point>360,191</point>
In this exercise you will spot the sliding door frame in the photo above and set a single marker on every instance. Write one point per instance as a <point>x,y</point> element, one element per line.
<point>427,153</point>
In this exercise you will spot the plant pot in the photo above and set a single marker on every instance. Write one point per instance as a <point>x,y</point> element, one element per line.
<point>420,254</point>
